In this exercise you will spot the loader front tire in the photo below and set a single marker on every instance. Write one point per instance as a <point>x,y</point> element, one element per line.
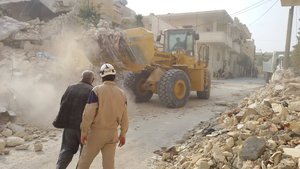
<point>174,88</point>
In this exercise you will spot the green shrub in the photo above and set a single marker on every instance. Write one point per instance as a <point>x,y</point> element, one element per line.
<point>89,15</point>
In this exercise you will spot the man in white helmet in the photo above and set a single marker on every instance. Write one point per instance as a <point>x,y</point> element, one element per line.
<point>105,110</point>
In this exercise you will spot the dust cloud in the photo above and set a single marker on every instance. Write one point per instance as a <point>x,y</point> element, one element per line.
<point>32,86</point>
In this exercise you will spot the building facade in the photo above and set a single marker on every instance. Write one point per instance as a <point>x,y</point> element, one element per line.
<point>231,47</point>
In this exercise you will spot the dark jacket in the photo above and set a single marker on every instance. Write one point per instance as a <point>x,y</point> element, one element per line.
<point>72,105</point>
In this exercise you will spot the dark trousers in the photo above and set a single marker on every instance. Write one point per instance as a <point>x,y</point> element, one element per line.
<point>69,147</point>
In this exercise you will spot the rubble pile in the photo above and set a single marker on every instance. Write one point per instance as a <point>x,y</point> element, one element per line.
<point>263,132</point>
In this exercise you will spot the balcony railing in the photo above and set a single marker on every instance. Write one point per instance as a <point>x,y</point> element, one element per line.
<point>215,37</point>
<point>219,37</point>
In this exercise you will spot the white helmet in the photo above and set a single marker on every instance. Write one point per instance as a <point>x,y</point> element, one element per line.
<point>107,69</point>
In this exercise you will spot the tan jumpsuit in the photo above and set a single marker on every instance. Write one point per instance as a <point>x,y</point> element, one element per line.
<point>106,109</point>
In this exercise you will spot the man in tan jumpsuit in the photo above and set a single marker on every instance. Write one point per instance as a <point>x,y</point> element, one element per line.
<point>105,110</point>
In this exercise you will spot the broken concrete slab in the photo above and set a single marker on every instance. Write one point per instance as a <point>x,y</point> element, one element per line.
<point>8,26</point>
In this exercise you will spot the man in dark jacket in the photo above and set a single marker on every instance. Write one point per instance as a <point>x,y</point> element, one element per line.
<point>69,117</point>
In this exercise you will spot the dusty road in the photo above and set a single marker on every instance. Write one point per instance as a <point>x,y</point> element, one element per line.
<point>151,127</point>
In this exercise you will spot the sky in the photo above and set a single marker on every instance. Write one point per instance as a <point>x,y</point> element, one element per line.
<point>267,20</point>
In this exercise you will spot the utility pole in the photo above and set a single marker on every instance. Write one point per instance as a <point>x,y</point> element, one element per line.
<point>288,39</point>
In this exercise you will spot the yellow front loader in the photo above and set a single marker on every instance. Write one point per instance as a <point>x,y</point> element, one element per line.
<point>171,69</point>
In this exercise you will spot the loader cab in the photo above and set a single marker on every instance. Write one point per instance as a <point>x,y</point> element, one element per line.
<point>180,39</point>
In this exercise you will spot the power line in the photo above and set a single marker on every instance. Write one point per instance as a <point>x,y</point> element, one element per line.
<point>253,6</point>
<point>263,14</point>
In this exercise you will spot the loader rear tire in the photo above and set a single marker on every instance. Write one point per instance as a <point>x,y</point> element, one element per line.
<point>206,93</point>
<point>134,82</point>
<point>174,88</point>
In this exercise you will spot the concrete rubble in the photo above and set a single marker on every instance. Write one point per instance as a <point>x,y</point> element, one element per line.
<point>263,132</point>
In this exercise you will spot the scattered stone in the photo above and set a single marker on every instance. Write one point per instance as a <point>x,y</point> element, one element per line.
<point>28,137</point>
<point>44,140</point>
<point>221,103</point>
<point>7,132</point>
<point>14,141</point>
<point>2,146</point>
<point>22,147</point>
<point>52,135</point>
<point>38,146</point>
